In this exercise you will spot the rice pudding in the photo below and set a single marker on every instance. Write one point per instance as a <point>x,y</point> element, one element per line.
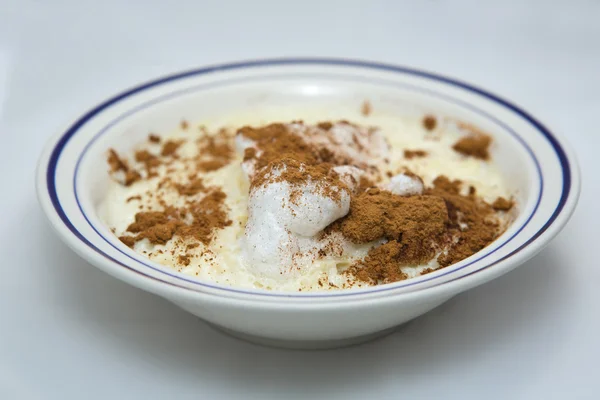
<point>309,205</point>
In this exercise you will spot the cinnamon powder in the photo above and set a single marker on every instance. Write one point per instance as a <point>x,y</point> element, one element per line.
<point>115,162</point>
<point>429,122</point>
<point>416,228</point>
<point>195,186</point>
<point>410,154</point>
<point>290,170</point>
<point>276,142</point>
<point>208,215</point>
<point>475,146</point>
<point>502,204</point>
<point>366,108</point>
<point>216,151</point>
<point>482,226</point>
<point>382,264</point>
<point>170,148</point>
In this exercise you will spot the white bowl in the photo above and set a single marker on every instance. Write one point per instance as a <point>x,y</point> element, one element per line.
<point>72,178</point>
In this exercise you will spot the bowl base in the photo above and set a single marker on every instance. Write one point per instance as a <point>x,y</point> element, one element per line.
<point>304,344</point>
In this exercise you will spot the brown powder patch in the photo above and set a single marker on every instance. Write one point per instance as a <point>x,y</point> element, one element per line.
<point>144,156</point>
<point>208,215</point>
<point>146,220</point>
<point>216,151</point>
<point>170,148</point>
<point>184,125</point>
<point>129,241</point>
<point>416,229</point>
<point>322,175</point>
<point>381,265</point>
<point>195,186</point>
<point>475,145</point>
<point>131,177</point>
<point>115,162</point>
<point>427,271</point>
<point>276,142</point>
<point>429,122</point>
<point>482,225</point>
<point>152,138</point>
<point>281,155</point>
<point>410,154</point>
<point>157,227</point>
<point>211,165</point>
<point>132,198</point>
<point>183,259</point>
<point>413,222</point>
<point>502,204</point>
<point>325,125</point>
<point>366,108</point>
<point>191,246</point>
<point>150,161</point>
<point>364,183</point>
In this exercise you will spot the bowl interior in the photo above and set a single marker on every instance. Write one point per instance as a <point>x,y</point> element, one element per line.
<point>266,93</point>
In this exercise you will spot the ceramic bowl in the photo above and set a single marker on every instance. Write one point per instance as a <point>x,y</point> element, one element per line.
<point>72,177</point>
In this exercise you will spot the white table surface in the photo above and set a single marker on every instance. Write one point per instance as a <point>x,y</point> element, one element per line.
<point>68,331</point>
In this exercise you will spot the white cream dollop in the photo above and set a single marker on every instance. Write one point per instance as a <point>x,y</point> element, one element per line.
<point>405,185</point>
<point>349,175</point>
<point>283,221</point>
<point>363,145</point>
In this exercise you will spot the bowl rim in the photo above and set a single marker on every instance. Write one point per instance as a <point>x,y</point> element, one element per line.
<point>564,209</point>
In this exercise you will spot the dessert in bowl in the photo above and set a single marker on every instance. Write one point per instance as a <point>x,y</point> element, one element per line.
<point>276,199</point>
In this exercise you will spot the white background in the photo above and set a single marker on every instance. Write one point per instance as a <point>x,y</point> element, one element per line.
<point>68,331</point>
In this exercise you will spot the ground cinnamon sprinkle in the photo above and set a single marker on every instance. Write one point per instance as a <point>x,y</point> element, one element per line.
<point>366,108</point>
<point>502,204</point>
<point>413,223</point>
<point>131,198</point>
<point>482,226</point>
<point>325,125</point>
<point>131,177</point>
<point>410,154</point>
<point>416,229</point>
<point>381,265</point>
<point>208,215</point>
<point>183,259</point>
<point>282,155</point>
<point>170,148</point>
<point>155,226</point>
<point>195,186</point>
<point>128,241</point>
<point>115,162</point>
<point>378,214</point>
<point>276,142</point>
<point>152,138</point>
<point>474,145</point>
<point>146,220</point>
<point>216,151</point>
<point>289,170</point>
<point>429,122</point>
<point>150,161</point>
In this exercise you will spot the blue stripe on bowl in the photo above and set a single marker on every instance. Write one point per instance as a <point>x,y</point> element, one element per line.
<point>64,139</point>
